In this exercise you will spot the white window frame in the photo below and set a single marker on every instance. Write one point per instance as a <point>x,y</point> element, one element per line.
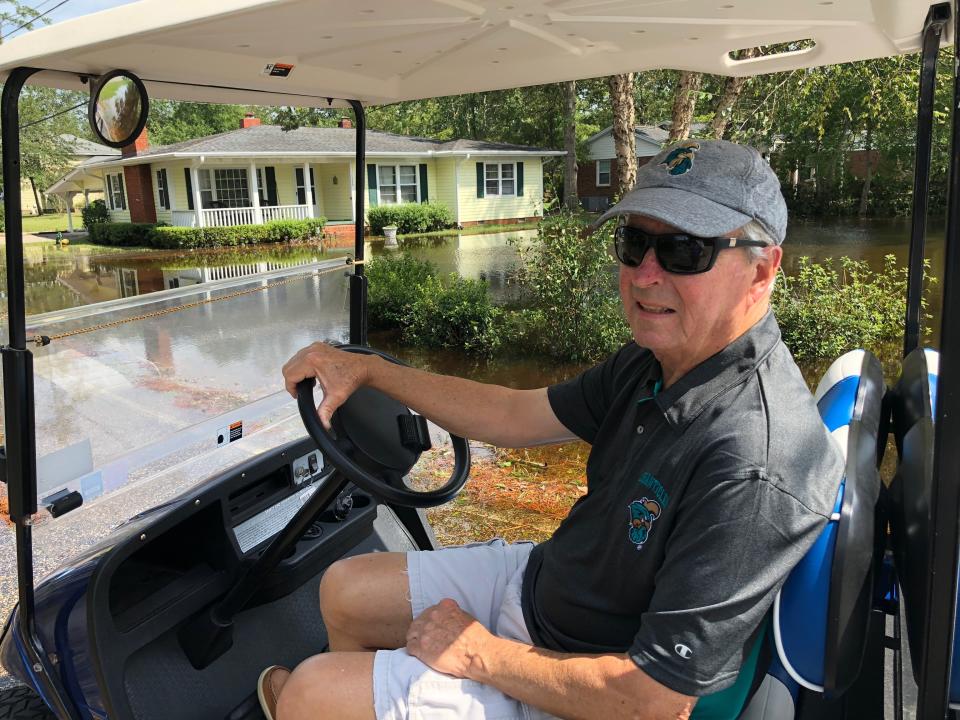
<point>500,179</point>
<point>608,173</point>
<point>298,188</point>
<point>211,175</point>
<point>114,191</point>
<point>397,185</point>
<point>160,174</point>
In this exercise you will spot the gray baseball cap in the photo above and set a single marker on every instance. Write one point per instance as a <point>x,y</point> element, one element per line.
<point>707,188</point>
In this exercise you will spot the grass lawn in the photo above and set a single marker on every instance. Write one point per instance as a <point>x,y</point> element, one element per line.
<point>49,223</point>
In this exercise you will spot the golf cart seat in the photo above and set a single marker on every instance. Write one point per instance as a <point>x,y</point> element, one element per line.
<point>820,618</point>
<point>913,407</point>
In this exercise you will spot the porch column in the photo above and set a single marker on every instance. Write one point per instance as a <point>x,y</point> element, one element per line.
<point>86,198</point>
<point>254,193</point>
<point>308,191</point>
<point>70,211</point>
<point>197,206</point>
<point>353,191</point>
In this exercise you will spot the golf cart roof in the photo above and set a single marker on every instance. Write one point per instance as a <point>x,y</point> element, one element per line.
<point>302,52</point>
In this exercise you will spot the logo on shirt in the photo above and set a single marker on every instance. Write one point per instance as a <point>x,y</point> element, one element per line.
<point>642,514</point>
<point>683,651</point>
<point>660,493</point>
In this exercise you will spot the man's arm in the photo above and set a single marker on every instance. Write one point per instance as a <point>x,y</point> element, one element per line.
<point>566,685</point>
<point>489,413</point>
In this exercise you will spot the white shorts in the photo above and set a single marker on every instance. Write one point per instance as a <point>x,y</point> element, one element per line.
<point>485,580</point>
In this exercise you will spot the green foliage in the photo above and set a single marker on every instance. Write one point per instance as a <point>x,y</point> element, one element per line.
<point>173,122</point>
<point>455,314</point>
<point>393,286</point>
<point>574,307</point>
<point>410,218</point>
<point>163,236</point>
<point>123,234</point>
<point>95,213</point>
<point>827,309</point>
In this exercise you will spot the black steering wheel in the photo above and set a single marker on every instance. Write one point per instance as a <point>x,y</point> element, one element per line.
<point>378,440</point>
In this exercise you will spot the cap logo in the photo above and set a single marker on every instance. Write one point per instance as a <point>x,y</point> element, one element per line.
<point>680,159</point>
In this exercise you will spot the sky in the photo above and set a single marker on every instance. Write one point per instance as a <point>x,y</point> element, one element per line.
<point>72,8</point>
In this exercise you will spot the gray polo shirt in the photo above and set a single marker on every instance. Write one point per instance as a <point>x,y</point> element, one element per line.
<point>701,498</point>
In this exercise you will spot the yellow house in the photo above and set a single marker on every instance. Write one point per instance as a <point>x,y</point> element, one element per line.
<point>260,173</point>
<point>78,187</point>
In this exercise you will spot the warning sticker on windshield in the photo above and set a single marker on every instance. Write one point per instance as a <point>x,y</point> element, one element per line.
<point>277,69</point>
<point>227,435</point>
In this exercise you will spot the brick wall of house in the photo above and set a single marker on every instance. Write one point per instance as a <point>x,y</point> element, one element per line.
<point>139,182</point>
<point>587,179</point>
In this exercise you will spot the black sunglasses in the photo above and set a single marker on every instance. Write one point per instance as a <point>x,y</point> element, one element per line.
<point>677,253</point>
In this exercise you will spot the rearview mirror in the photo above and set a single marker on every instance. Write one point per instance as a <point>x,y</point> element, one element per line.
<point>118,108</point>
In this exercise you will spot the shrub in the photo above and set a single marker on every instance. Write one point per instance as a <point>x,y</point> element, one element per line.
<point>122,234</point>
<point>826,309</point>
<point>164,236</point>
<point>568,279</point>
<point>410,218</point>
<point>95,213</point>
<point>457,314</point>
<point>393,286</point>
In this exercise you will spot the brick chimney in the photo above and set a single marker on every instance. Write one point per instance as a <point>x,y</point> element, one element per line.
<point>137,146</point>
<point>249,120</point>
<point>346,123</point>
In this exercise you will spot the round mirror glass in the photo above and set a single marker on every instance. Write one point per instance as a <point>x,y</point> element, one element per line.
<point>118,108</point>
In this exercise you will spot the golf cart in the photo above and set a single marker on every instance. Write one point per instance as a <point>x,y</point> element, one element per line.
<point>174,612</point>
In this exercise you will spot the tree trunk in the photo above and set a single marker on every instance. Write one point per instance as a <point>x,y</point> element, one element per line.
<point>624,137</point>
<point>865,193</point>
<point>36,197</point>
<point>570,144</point>
<point>728,99</point>
<point>684,104</point>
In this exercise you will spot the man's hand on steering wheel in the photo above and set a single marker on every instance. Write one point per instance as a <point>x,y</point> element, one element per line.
<point>339,373</point>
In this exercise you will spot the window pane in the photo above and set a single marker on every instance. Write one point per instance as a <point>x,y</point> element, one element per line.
<point>507,187</point>
<point>232,187</point>
<point>408,193</point>
<point>408,174</point>
<point>506,171</point>
<point>493,187</point>
<point>388,195</point>
<point>387,175</point>
<point>492,172</point>
<point>204,176</point>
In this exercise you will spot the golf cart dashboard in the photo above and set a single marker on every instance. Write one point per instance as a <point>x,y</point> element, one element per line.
<point>179,561</point>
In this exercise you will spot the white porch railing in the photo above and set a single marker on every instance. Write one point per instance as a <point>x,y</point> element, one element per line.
<point>285,212</point>
<point>184,218</point>
<point>220,217</point>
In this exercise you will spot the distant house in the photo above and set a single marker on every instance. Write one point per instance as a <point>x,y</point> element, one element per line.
<point>77,188</point>
<point>597,178</point>
<point>260,173</point>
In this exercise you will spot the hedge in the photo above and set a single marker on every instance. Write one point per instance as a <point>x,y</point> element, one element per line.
<point>410,218</point>
<point>165,236</point>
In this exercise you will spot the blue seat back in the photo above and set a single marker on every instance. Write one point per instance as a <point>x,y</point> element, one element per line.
<point>821,616</point>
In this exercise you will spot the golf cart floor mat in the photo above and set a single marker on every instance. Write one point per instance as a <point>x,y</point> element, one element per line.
<point>22,703</point>
<point>161,684</point>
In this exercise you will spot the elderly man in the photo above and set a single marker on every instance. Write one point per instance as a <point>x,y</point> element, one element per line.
<point>709,477</point>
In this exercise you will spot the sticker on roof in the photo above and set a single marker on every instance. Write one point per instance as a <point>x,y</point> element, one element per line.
<point>277,69</point>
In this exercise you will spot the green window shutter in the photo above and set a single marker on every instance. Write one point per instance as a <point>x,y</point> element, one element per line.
<point>271,186</point>
<point>301,192</point>
<point>519,179</point>
<point>166,189</point>
<point>186,174</point>
<point>313,188</point>
<point>481,178</point>
<point>372,185</point>
<point>123,196</point>
<point>424,192</point>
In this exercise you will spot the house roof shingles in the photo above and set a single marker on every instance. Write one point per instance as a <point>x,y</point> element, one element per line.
<point>273,139</point>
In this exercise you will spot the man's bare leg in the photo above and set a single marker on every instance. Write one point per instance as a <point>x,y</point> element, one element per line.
<point>332,685</point>
<point>365,602</point>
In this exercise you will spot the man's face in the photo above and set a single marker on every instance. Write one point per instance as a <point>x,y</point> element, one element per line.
<point>684,319</point>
